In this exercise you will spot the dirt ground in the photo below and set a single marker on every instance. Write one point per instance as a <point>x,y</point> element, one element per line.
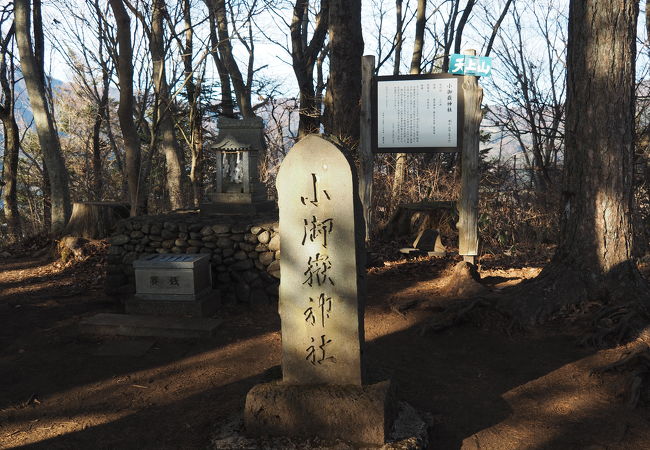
<point>487,387</point>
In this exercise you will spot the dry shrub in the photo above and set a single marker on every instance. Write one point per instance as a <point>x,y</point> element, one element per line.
<point>428,177</point>
<point>641,218</point>
<point>25,245</point>
<point>513,215</point>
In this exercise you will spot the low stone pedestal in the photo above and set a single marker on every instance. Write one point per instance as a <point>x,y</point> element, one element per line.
<point>173,285</point>
<point>361,415</point>
<point>107,324</point>
<point>204,306</point>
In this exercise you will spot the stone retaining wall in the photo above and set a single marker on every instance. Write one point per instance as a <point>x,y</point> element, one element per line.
<point>244,251</point>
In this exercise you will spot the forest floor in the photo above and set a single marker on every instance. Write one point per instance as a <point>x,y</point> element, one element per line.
<point>486,386</point>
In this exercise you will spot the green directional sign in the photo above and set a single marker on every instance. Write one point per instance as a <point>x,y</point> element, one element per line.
<point>480,66</point>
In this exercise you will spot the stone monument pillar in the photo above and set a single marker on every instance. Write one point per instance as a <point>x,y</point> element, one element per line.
<point>322,293</point>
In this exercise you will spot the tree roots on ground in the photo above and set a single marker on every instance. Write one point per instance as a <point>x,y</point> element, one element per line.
<point>616,324</point>
<point>453,316</point>
<point>480,312</point>
<point>636,361</point>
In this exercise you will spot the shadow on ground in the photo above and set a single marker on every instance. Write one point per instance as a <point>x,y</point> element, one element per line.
<point>484,388</point>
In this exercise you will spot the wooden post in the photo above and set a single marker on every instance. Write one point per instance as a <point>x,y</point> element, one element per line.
<point>366,158</point>
<point>468,201</point>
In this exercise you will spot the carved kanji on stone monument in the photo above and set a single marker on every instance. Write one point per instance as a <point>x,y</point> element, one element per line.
<point>320,306</point>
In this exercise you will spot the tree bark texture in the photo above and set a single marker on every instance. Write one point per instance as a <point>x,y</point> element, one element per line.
<point>11,140</point>
<point>9,176</point>
<point>165,120</point>
<point>596,233</point>
<point>47,198</point>
<point>125,108</point>
<point>32,69</point>
<point>242,89</point>
<point>193,91</point>
<point>399,177</point>
<point>461,25</point>
<point>95,220</point>
<point>401,159</point>
<point>304,57</point>
<point>344,86</point>
<point>448,35</point>
<point>418,42</point>
<point>593,260</point>
<point>227,107</point>
<point>98,179</point>
<point>399,36</point>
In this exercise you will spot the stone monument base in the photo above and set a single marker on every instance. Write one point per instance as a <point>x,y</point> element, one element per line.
<point>108,324</point>
<point>362,415</point>
<point>205,305</point>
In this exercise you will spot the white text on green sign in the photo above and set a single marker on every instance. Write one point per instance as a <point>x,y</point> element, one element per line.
<point>480,66</point>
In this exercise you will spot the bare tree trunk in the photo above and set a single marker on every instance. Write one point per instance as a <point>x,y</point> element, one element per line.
<point>342,99</point>
<point>401,159</point>
<point>125,108</point>
<point>31,60</point>
<point>647,19</point>
<point>320,79</point>
<point>496,26</point>
<point>165,120</point>
<point>95,220</point>
<point>11,140</point>
<point>98,181</point>
<point>304,57</point>
<point>418,43</point>
<point>196,116</point>
<point>47,198</point>
<point>227,107</point>
<point>102,108</point>
<point>595,232</point>
<point>461,24</point>
<point>399,36</point>
<point>9,176</point>
<point>593,259</point>
<point>450,26</point>
<point>399,177</point>
<point>242,90</point>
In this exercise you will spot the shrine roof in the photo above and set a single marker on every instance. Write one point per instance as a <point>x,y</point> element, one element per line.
<point>230,143</point>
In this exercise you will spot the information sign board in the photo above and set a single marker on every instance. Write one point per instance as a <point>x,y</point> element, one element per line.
<point>417,113</point>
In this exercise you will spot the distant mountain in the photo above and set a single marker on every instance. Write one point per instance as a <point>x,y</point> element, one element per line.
<point>23,108</point>
<point>24,115</point>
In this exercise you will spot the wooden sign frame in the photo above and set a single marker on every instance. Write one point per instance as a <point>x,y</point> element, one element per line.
<point>375,113</point>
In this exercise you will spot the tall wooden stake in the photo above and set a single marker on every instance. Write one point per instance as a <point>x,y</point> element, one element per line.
<point>468,202</point>
<point>366,158</point>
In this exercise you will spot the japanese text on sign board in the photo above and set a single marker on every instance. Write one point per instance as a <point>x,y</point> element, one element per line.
<point>417,113</point>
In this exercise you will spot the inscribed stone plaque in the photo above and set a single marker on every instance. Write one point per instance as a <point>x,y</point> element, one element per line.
<point>322,282</point>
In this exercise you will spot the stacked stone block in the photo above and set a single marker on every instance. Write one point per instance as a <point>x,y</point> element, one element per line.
<point>244,252</point>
